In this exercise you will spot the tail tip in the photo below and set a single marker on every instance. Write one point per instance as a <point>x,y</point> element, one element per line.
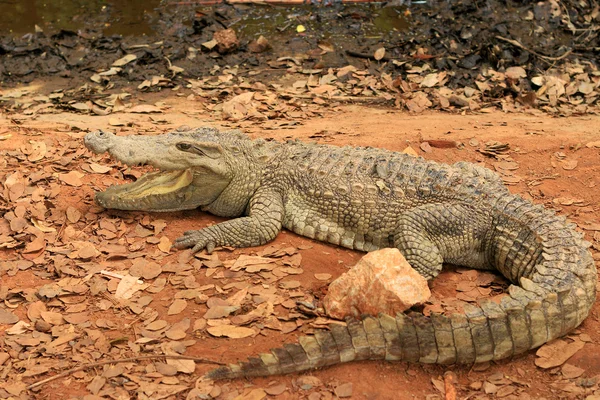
<point>221,373</point>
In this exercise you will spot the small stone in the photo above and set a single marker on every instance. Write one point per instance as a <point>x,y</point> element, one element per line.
<point>259,45</point>
<point>382,281</point>
<point>42,326</point>
<point>227,41</point>
<point>308,382</point>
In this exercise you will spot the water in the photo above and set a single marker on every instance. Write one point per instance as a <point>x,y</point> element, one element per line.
<point>126,17</point>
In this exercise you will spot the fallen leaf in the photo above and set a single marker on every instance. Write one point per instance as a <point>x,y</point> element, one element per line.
<point>164,244</point>
<point>72,178</point>
<point>410,151</point>
<point>177,306</point>
<point>571,372</point>
<point>515,73</point>
<point>219,311</point>
<point>99,169</point>
<point>593,144</point>
<point>230,331</point>
<point>569,164</point>
<point>80,106</point>
<point>7,318</point>
<point>557,352</point>
<point>425,147</point>
<point>254,394</point>
<point>343,390</point>
<point>42,227</point>
<point>184,366</point>
<point>274,390</point>
<point>124,60</point>
<point>144,109</point>
<point>116,122</point>
<point>430,80</point>
<point>38,151</point>
<point>96,384</point>
<point>127,286</point>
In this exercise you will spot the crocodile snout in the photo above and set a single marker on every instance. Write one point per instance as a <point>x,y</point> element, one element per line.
<point>98,141</point>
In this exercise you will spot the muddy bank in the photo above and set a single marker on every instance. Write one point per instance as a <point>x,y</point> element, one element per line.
<point>464,39</point>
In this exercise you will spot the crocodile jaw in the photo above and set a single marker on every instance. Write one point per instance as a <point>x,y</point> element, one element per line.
<point>154,191</point>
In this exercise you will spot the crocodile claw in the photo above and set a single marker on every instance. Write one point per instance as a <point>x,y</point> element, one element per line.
<point>197,240</point>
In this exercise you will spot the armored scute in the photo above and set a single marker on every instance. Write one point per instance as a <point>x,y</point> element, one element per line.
<point>366,199</point>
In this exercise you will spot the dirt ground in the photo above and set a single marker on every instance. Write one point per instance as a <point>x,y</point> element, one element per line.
<point>550,164</point>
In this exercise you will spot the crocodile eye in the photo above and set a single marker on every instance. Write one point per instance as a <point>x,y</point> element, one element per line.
<point>183,146</point>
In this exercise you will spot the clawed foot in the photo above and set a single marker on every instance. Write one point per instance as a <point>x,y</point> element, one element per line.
<point>197,240</point>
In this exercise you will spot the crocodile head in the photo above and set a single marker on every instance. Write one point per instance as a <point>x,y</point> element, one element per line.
<point>192,169</point>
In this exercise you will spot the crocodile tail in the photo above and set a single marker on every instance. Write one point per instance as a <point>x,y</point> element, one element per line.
<point>556,289</point>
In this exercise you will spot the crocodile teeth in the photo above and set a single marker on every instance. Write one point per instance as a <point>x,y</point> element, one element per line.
<point>149,188</point>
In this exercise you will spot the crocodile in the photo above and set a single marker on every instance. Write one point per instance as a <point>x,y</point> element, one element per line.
<point>366,198</point>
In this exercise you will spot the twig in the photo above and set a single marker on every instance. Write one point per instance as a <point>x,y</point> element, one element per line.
<point>357,99</point>
<point>123,360</point>
<point>518,44</point>
<point>356,54</point>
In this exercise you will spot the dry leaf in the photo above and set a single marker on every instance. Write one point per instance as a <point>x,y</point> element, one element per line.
<point>430,80</point>
<point>157,325</point>
<point>515,73</point>
<point>177,306</point>
<point>344,390</point>
<point>127,286</point>
<point>80,106</point>
<point>557,352</point>
<point>569,164</point>
<point>124,60</point>
<point>219,311</point>
<point>52,317</point>
<point>73,215</point>
<point>72,178</point>
<point>254,394</point>
<point>274,390</point>
<point>116,122</point>
<point>410,151</point>
<point>38,151</point>
<point>144,109</point>
<point>184,366</point>
<point>41,226</point>
<point>164,244</point>
<point>571,372</point>
<point>230,331</point>
<point>7,318</point>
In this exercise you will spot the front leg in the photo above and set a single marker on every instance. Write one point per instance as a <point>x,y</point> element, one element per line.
<point>262,225</point>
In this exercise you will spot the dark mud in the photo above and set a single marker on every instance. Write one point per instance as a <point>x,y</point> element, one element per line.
<point>464,38</point>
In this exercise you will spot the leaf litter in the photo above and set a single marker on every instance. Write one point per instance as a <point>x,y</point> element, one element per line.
<point>250,294</point>
<point>127,266</point>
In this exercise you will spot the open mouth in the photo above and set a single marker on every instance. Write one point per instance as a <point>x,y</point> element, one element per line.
<point>154,191</point>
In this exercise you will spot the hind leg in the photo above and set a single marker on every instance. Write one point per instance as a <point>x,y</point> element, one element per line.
<point>432,234</point>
